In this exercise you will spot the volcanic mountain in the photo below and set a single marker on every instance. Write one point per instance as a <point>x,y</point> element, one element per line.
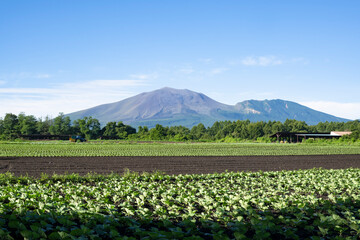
<point>172,107</point>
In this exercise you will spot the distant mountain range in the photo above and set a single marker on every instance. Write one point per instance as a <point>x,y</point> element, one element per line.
<point>173,107</point>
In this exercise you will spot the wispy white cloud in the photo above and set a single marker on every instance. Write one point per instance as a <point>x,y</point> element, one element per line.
<point>67,97</point>
<point>261,61</point>
<point>205,60</point>
<point>344,110</point>
<point>42,75</point>
<point>2,82</point>
<point>99,84</point>
<point>150,76</point>
<point>29,90</point>
<point>218,71</point>
<point>187,70</point>
<point>26,75</point>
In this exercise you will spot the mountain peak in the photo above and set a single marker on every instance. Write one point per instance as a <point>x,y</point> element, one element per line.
<point>170,106</point>
<point>174,90</point>
<point>169,89</point>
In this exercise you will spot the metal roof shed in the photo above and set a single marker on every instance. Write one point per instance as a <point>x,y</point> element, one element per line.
<point>296,136</point>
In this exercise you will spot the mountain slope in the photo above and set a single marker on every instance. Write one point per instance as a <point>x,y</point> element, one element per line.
<point>281,110</point>
<point>170,107</point>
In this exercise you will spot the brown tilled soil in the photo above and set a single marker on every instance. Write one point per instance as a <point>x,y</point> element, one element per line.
<point>34,166</point>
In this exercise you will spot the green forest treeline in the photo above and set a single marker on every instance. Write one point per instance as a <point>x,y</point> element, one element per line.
<point>12,126</point>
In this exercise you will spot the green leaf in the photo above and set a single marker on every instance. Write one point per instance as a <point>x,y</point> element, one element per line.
<point>324,231</point>
<point>76,232</point>
<point>114,233</point>
<point>239,236</point>
<point>54,236</point>
<point>4,235</point>
<point>14,224</point>
<point>29,234</point>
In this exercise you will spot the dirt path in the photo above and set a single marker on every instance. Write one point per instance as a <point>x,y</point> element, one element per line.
<point>34,166</point>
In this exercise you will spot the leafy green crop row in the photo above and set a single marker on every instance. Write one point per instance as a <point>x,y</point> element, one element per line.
<point>316,204</point>
<point>165,149</point>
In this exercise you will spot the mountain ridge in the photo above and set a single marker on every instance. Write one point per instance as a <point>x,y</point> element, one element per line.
<point>169,107</point>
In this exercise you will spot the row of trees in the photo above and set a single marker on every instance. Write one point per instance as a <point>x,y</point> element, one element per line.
<point>242,130</point>
<point>12,126</point>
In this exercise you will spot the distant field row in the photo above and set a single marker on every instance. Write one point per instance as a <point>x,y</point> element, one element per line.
<point>47,149</point>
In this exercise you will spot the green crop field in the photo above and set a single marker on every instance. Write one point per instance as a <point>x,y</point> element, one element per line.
<point>311,204</point>
<point>50,149</point>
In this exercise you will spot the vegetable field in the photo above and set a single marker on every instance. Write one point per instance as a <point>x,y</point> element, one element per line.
<point>241,202</point>
<point>313,204</point>
<point>63,149</point>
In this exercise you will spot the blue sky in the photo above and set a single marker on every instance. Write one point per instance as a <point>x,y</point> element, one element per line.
<point>64,56</point>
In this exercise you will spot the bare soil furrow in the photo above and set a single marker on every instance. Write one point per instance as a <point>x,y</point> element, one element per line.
<point>35,166</point>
